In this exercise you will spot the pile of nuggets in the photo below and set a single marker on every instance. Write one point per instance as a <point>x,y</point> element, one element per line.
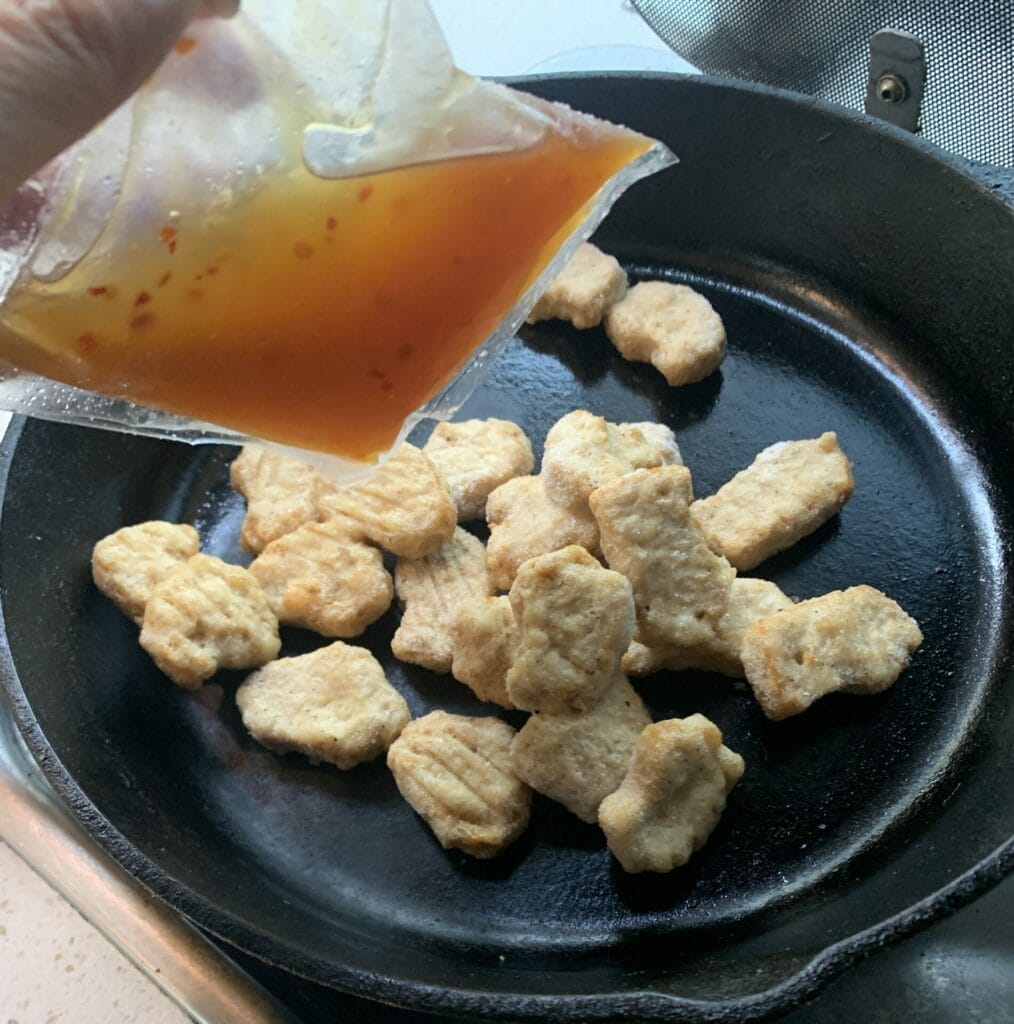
<point>601,567</point>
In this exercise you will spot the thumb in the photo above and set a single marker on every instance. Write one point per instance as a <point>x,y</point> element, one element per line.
<point>66,64</point>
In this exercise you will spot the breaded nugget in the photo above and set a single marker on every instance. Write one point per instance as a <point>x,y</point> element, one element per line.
<point>749,601</point>
<point>477,456</point>
<point>670,326</point>
<point>575,620</point>
<point>205,615</point>
<point>456,773</point>
<point>584,451</point>
<point>404,506</point>
<point>579,757</point>
<point>856,640</point>
<point>584,290</point>
<point>524,522</point>
<point>432,589</point>
<point>127,564</point>
<point>281,494</point>
<point>484,638</point>
<point>320,578</point>
<point>672,796</point>
<point>334,704</point>
<point>641,660</point>
<point>788,491</point>
<point>681,588</point>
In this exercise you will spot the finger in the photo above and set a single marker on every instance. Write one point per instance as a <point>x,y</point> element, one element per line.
<point>65,64</point>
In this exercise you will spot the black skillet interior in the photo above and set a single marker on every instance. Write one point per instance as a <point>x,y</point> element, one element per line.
<point>864,287</point>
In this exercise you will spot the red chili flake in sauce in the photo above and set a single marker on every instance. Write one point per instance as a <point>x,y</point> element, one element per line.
<point>142,320</point>
<point>184,45</point>
<point>303,250</point>
<point>168,233</point>
<point>165,278</point>
<point>143,298</point>
<point>99,289</point>
<point>332,223</point>
<point>172,247</point>
<point>211,271</point>
<point>364,193</point>
<point>86,342</point>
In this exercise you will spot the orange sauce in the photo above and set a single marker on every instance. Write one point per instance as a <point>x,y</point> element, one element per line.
<point>316,313</point>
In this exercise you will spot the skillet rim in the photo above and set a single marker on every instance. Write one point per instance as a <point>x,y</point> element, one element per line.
<point>787,994</point>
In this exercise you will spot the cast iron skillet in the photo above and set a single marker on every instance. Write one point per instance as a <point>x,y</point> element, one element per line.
<point>865,282</point>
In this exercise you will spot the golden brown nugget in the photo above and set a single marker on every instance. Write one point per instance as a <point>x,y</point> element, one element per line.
<point>320,578</point>
<point>127,564</point>
<point>584,451</point>
<point>456,773</point>
<point>670,326</point>
<point>433,589</point>
<point>788,491</point>
<point>579,757</point>
<point>404,506</point>
<point>584,290</point>
<point>672,795</point>
<point>524,522</point>
<point>477,456</point>
<point>281,492</point>
<point>575,620</point>
<point>681,588</point>
<point>856,640</point>
<point>334,704</point>
<point>205,615</point>
<point>749,601</point>
<point>484,639</point>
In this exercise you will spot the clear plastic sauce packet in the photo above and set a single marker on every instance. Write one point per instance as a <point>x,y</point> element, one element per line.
<point>301,230</point>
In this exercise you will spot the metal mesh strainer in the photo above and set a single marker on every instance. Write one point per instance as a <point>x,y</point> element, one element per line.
<point>821,47</point>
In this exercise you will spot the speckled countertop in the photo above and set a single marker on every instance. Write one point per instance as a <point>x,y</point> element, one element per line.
<point>57,969</point>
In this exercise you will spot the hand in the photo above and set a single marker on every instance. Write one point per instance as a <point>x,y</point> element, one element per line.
<point>66,64</point>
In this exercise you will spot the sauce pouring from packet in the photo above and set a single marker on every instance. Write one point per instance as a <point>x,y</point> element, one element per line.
<point>308,228</point>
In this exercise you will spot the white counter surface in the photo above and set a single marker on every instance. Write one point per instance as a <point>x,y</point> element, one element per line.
<point>57,969</point>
